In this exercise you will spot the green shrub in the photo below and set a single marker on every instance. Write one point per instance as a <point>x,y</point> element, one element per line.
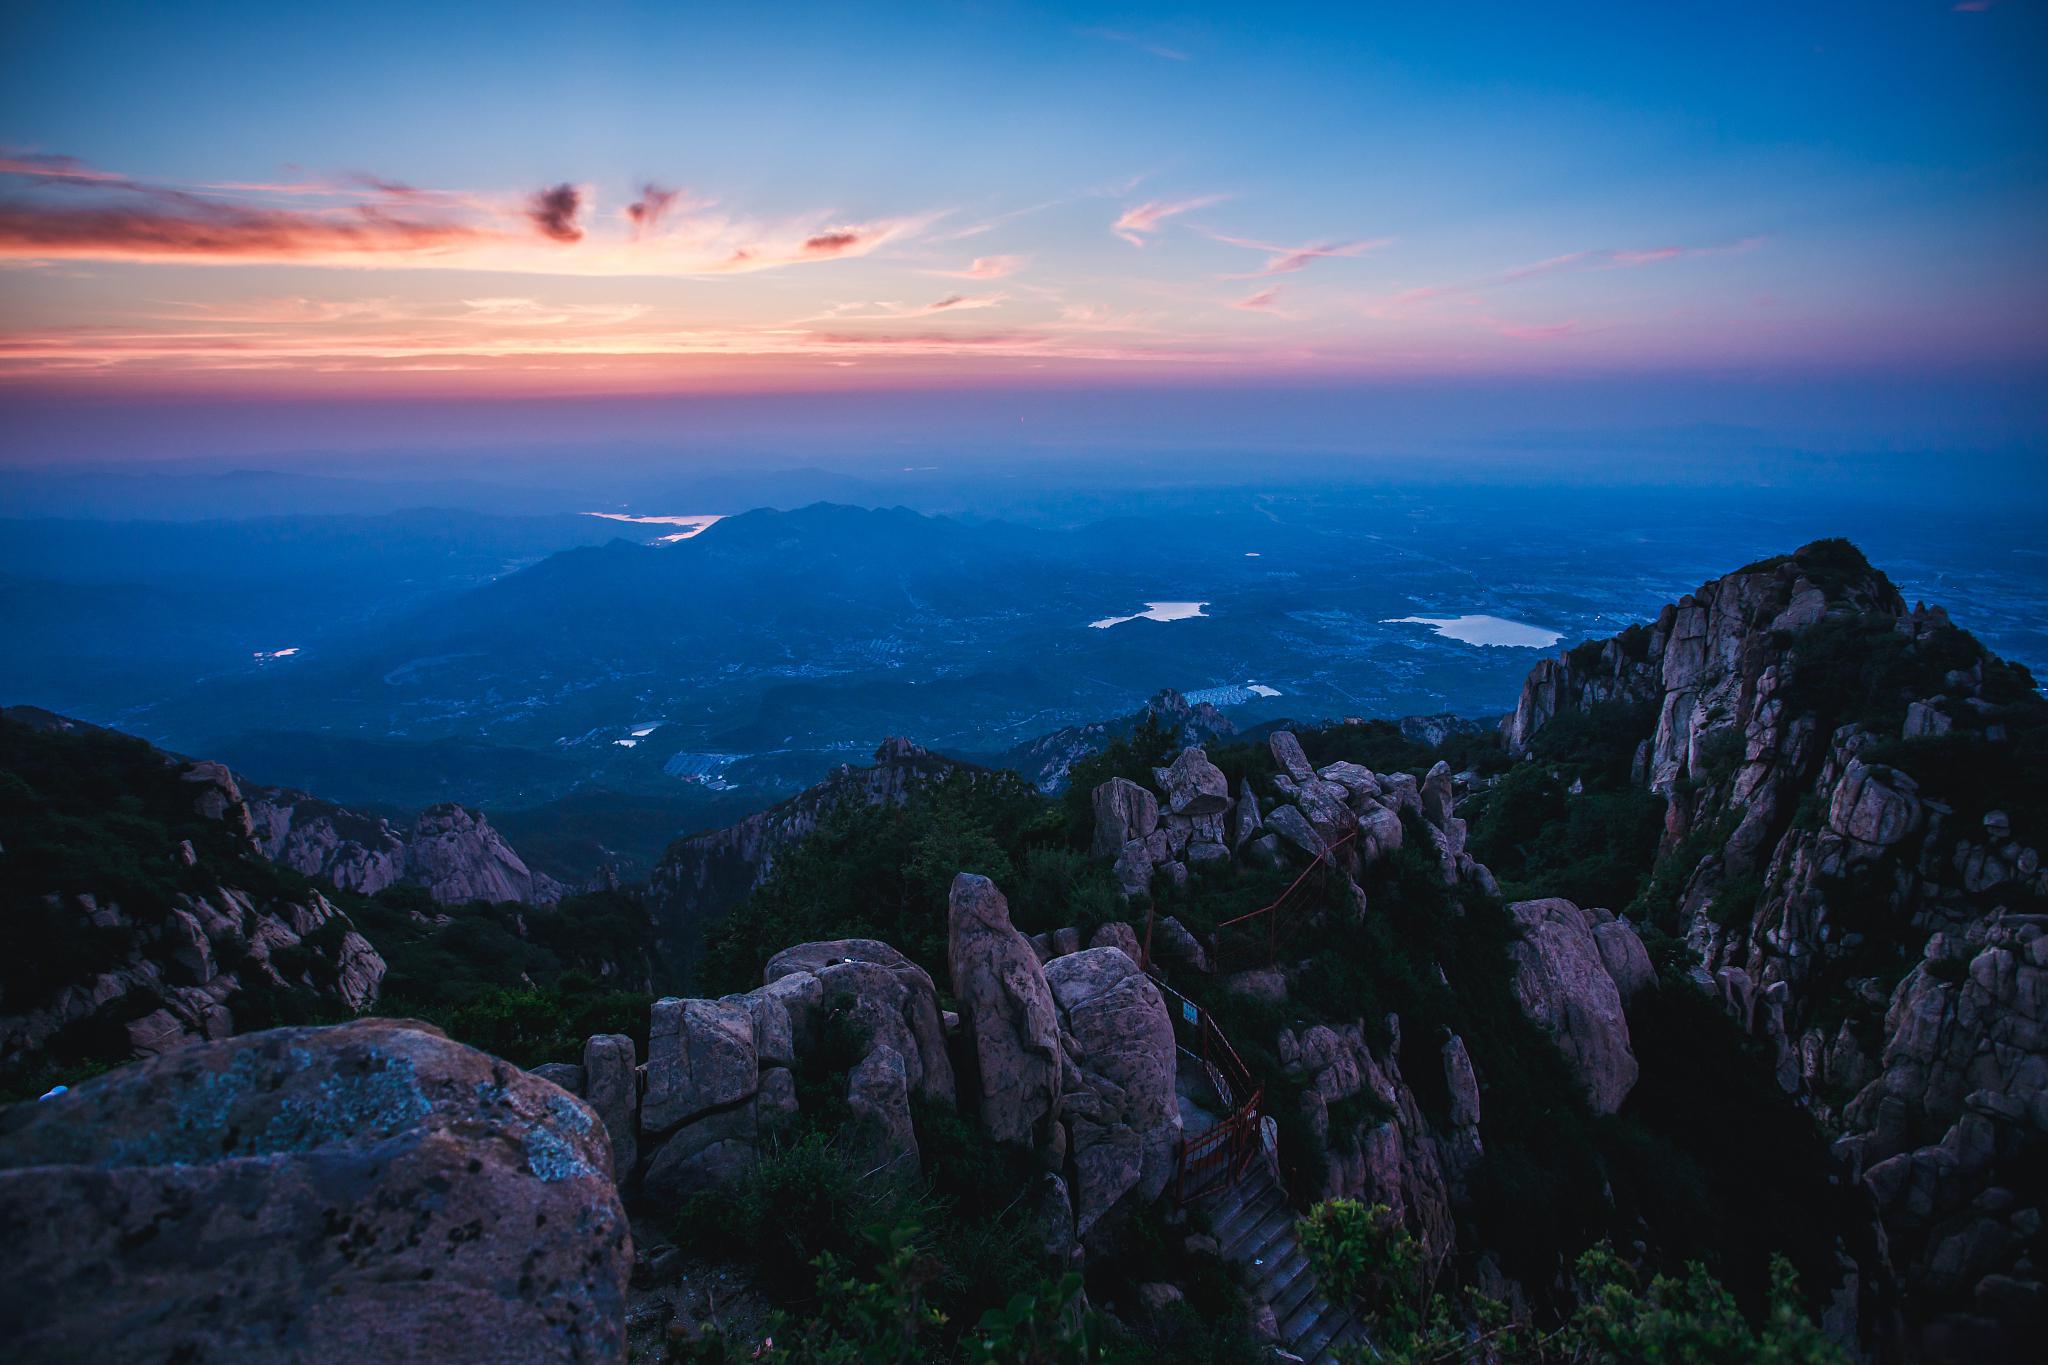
<point>802,1199</point>
<point>884,872</point>
<point>1688,1321</point>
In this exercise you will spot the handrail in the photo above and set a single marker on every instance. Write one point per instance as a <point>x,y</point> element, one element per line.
<point>1225,1151</point>
<point>1220,1155</point>
<point>1321,860</point>
<point>1293,886</point>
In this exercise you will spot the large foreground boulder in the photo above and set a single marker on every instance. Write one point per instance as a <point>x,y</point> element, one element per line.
<point>1007,1010</point>
<point>889,999</point>
<point>1119,1105</point>
<point>370,1191</point>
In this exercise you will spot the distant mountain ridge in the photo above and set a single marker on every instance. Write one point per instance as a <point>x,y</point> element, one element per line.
<point>448,850</point>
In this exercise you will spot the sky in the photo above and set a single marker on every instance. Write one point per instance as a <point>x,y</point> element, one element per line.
<point>212,208</point>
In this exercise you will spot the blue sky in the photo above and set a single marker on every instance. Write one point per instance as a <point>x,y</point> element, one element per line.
<point>231,199</point>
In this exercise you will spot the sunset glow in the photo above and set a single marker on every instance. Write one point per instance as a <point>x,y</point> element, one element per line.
<point>1187,199</point>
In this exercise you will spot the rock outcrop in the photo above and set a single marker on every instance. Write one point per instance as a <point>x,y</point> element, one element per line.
<point>1044,761</point>
<point>370,1191</point>
<point>450,851</point>
<point>1124,812</point>
<point>183,957</point>
<point>1193,785</point>
<point>884,995</point>
<point>720,1078</point>
<point>1822,752</point>
<point>1193,819</point>
<point>610,1080</point>
<point>1563,985</point>
<point>1007,1010</point>
<point>1117,1099</point>
<point>1379,1148</point>
<point>1947,1132</point>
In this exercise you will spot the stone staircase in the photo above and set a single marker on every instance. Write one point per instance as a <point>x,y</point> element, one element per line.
<point>1254,1226</point>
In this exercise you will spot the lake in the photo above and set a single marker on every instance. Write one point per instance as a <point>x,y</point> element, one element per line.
<point>1484,630</point>
<point>1154,611</point>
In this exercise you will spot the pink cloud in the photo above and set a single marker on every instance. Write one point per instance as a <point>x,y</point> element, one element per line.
<point>836,242</point>
<point>55,208</point>
<point>647,211</point>
<point>954,301</point>
<point>987,268</point>
<point>49,168</point>
<point>1285,260</point>
<point>1265,301</point>
<point>1136,223</point>
<point>146,231</point>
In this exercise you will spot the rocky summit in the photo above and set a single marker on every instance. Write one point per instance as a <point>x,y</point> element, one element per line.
<point>1703,994</point>
<point>1837,771</point>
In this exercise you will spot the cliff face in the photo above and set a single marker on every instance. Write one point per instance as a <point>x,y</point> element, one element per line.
<point>147,912</point>
<point>142,917</point>
<point>450,850</point>
<point>1837,772</point>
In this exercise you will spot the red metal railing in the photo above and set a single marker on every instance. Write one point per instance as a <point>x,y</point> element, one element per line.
<point>1272,911</point>
<point>1218,1156</point>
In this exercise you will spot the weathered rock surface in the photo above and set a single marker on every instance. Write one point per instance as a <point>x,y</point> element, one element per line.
<point>878,1095</point>
<point>1007,1011</point>
<point>1623,955</point>
<point>173,987</point>
<point>450,851</point>
<point>719,1079</point>
<point>1288,754</point>
<point>1245,824</point>
<point>1193,785</point>
<point>1563,986</point>
<point>1825,873</point>
<point>456,855</point>
<point>1293,827</point>
<point>1872,807</point>
<point>1123,811</point>
<point>611,1086</point>
<point>1119,1106</point>
<point>888,998</point>
<point>700,1057</point>
<point>1044,761</point>
<point>1390,1156</point>
<point>370,1191</point>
